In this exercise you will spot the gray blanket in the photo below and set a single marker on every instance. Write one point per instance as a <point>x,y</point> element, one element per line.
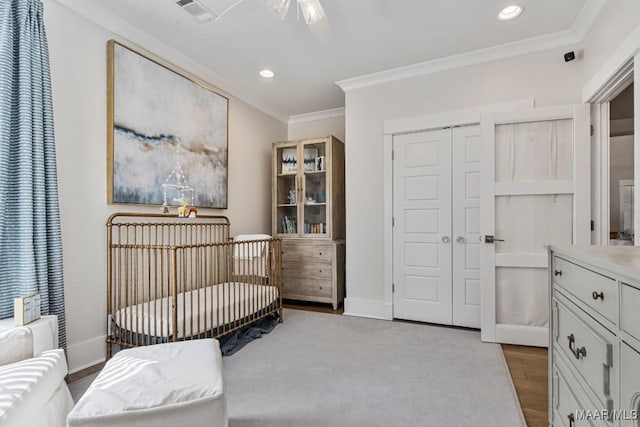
<point>231,343</point>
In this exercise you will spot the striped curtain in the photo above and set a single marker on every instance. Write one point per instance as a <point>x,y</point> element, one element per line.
<point>30,243</point>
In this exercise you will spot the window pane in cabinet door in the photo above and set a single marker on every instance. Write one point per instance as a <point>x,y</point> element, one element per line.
<point>287,160</point>
<point>315,188</point>
<point>315,219</point>
<point>314,157</point>
<point>287,190</point>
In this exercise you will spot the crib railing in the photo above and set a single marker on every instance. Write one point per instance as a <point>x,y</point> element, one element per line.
<point>173,279</point>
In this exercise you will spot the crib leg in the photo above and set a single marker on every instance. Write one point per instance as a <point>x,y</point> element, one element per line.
<point>109,350</point>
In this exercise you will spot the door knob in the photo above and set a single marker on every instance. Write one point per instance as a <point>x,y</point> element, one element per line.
<point>490,239</point>
<point>461,240</point>
<point>445,239</point>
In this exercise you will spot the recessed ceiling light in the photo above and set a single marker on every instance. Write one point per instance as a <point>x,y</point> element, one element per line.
<point>267,74</point>
<point>510,12</point>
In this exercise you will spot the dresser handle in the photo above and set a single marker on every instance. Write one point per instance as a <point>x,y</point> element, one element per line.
<point>557,273</point>
<point>597,295</point>
<point>576,352</point>
<point>572,420</point>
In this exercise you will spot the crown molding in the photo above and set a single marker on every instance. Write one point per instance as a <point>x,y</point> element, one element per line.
<point>613,76</point>
<point>475,57</point>
<point>317,115</point>
<point>587,17</point>
<point>576,34</point>
<point>133,35</point>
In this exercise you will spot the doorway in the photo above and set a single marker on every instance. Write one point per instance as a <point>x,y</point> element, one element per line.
<point>621,168</point>
<point>535,192</point>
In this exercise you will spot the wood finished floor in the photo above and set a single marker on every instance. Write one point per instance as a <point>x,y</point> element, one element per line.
<point>528,369</point>
<point>527,366</point>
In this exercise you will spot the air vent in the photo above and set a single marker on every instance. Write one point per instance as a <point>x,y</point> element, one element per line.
<point>196,9</point>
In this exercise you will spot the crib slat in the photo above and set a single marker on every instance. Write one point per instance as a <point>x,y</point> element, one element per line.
<point>154,261</point>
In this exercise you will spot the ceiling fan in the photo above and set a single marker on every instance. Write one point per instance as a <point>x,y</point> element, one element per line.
<point>312,10</point>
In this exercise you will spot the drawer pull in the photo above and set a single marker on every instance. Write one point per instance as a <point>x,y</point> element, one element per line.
<point>572,420</point>
<point>557,273</point>
<point>577,352</point>
<point>595,295</point>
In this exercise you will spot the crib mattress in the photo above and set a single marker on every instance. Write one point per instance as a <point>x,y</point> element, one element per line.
<point>198,310</point>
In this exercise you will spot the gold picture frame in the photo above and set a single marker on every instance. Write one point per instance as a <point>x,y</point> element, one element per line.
<point>167,134</point>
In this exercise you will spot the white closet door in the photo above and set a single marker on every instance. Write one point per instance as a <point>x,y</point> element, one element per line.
<point>466,226</point>
<point>535,192</point>
<point>422,215</point>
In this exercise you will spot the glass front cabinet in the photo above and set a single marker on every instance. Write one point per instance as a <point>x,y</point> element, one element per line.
<point>308,188</point>
<point>308,214</point>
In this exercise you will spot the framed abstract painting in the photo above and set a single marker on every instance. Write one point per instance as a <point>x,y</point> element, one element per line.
<point>167,134</point>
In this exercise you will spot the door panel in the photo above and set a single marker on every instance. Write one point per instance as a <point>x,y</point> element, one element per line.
<point>523,156</point>
<point>422,215</point>
<point>466,226</point>
<point>535,192</point>
<point>522,296</point>
<point>528,223</point>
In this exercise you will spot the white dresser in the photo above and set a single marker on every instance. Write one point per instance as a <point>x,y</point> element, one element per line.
<point>594,333</point>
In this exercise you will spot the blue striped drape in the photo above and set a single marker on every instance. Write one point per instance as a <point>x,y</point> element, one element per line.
<point>30,243</point>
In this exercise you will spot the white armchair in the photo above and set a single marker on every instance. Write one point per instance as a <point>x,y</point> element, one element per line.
<point>32,389</point>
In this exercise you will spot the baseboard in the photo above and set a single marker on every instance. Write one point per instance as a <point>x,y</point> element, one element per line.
<point>373,309</point>
<point>535,336</point>
<point>86,354</point>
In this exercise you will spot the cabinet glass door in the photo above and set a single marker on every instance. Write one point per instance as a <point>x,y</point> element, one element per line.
<point>287,190</point>
<point>314,170</point>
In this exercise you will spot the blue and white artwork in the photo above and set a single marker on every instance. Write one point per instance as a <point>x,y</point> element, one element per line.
<point>161,120</point>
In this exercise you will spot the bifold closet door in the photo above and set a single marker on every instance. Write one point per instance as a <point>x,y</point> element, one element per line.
<point>466,226</point>
<point>422,227</point>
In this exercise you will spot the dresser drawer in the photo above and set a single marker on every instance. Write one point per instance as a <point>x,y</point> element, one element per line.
<point>567,408</point>
<point>303,251</point>
<point>589,347</point>
<point>629,386</point>
<point>597,291</point>
<point>304,270</point>
<point>296,287</point>
<point>630,310</point>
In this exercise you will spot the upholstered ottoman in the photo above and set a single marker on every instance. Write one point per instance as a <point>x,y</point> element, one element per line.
<point>175,384</point>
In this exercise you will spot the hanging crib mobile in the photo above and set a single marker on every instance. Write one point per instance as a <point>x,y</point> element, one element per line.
<point>176,185</point>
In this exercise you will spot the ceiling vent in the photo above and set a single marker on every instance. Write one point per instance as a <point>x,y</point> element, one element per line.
<point>196,9</point>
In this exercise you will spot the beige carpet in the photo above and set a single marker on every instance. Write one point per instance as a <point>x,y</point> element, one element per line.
<point>320,369</point>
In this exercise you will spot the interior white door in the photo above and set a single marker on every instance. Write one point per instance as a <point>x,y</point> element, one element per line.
<point>535,191</point>
<point>422,217</point>
<point>466,226</point>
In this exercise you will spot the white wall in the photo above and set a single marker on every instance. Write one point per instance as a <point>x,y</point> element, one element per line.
<point>309,129</point>
<point>617,19</point>
<point>78,67</point>
<point>543,76</point>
